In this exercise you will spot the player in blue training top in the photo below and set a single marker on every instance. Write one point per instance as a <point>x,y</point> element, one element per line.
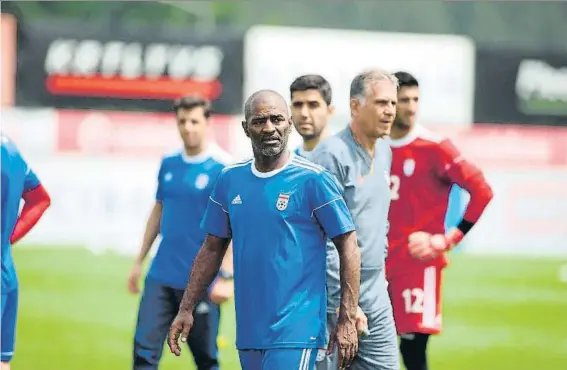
<point>278,209</point>
<point>185,182</point>
<point>311,110</point>
<point>18,182</point>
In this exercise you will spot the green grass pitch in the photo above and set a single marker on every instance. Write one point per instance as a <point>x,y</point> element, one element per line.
<point>75,313</point>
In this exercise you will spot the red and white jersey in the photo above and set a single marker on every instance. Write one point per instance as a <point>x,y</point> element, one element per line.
<point>424,167</point>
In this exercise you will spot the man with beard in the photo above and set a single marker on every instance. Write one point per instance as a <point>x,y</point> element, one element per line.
<point>360,159</point>
<point>311,110</point>
<point>278,209</point>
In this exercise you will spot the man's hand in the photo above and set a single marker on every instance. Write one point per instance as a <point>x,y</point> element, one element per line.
<point>345,337</point>
<point>361,322</point>
<point>221,291</point>
<point>424,246</point>
<point>181,327</point>
<point>134,278</point>
<point>421,247</point>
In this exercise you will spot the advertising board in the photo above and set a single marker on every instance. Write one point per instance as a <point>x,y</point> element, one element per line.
<point>521,87</point>
<point>101,194</point>
<point>89,66</point>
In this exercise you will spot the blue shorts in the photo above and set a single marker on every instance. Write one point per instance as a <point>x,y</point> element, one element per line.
<point>278,359</point>
<point>9,315</point>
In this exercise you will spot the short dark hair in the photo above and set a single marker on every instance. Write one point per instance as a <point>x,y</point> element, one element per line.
<point>313,82</point>
<point>406,79</point>
<point>191,102</point>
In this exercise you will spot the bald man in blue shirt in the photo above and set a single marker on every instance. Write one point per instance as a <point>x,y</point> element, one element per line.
<point>278,209</point>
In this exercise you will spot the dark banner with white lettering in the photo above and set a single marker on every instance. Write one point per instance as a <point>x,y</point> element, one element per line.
<point>514,86</point>
<point>76,66</point>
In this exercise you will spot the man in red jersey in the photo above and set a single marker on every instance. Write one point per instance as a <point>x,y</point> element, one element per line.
<point>424,167</point>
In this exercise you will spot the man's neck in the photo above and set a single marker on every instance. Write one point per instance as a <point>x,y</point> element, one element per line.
<point>309,145</point>
<point>366,142</point>
<point>191,152</point>
<point>397,132</point>
<point>265,163</point>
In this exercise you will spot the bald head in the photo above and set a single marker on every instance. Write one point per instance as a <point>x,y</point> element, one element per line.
<point>263,97</point>
<point>267,123</point>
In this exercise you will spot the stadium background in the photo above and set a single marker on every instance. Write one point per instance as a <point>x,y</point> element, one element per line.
<point>86,89</point>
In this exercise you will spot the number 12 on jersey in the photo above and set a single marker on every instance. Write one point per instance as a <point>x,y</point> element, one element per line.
<point>413,300</point>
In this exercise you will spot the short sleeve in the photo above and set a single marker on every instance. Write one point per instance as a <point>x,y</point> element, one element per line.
<point>215,220</point>
<point>31,180</point>
<point>331,163</point>
<point>328,204</point>
<point>159,191</point>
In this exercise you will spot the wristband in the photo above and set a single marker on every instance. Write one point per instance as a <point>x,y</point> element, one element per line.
<point>465,226</point>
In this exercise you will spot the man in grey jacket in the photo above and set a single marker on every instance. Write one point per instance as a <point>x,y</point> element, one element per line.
<point>361,159</point>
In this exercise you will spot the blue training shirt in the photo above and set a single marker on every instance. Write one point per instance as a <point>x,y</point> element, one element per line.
<point>279,222</point>
<point>184,186</point>
<point>17,178</point>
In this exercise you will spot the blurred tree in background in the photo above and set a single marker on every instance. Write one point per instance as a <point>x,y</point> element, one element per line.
<point>528,24</point>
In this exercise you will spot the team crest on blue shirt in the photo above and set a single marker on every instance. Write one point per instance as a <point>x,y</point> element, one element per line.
<point>202,181</point>
<point>283,200</point>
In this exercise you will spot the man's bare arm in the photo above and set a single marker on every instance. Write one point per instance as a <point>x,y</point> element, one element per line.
<point>150,235</point>
<point>349,255</point>
<point>205,269</point>
<point>151,232</point>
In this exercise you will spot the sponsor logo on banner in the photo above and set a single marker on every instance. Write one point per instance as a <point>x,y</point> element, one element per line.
<point>541,88</point>
<point>443,64</point>
<point>128,133</point>
<point>70,66</point>
<point>120,69</point>
<point>516,86</point>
